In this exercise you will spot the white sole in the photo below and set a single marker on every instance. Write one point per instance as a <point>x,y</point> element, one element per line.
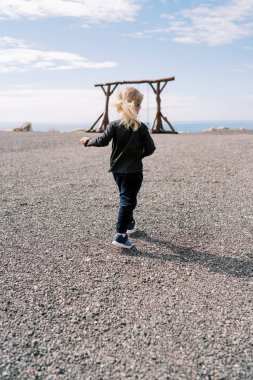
<point>121,245</point>
<point>133,230</point>
<point>129,232</point>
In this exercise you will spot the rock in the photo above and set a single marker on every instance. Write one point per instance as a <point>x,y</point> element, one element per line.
<point>209,130</point>
<point>219,129</point>
<point>223,129</point>
<point>83,130</point>
<point>25,127</point>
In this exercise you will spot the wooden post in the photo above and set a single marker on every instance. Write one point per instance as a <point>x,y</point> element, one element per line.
<point>105,120</point>
<point>157,126</point>
<point>93,125</point>
<point>105,114</point>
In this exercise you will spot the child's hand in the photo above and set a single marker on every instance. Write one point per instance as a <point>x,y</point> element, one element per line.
<point>84,140</point>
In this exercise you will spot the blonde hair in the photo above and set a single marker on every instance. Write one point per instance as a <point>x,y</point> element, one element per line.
<point>128,105</point>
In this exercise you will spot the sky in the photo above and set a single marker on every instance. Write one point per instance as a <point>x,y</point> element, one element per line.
<point>53,52</point>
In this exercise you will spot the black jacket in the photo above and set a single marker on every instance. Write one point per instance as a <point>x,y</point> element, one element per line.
<point>128,146</point>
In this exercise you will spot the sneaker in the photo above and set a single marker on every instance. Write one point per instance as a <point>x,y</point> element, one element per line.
<point>131,228</point>
<point>122,241</point>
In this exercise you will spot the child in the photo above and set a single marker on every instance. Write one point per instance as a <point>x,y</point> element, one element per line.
<point>131,142</point>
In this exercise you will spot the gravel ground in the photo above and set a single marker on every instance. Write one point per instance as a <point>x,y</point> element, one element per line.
<point>178,306</point>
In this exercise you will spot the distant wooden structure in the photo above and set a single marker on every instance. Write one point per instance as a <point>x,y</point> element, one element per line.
<point>156,85</point>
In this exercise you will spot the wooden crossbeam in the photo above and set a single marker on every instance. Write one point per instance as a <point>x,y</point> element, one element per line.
<point>137,81</point>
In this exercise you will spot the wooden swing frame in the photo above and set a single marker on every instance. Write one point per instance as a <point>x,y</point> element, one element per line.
<point>157,86</point>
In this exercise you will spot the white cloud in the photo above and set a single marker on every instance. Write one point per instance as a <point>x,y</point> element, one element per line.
<point>25,102</point>
<point>17,56</point>
<point>71,106</point>
<point>50,105</point>
<point>140,34</point>
<point>211,25</point>
<point>248,99</point>
<point>12,42</point>
<point>214,25</point>
<point>92,10</point>
<point>249,65</point>
<point>147,33</point>
<point>172,102</point>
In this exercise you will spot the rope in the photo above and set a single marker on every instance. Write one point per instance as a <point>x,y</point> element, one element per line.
<point>148,105</point>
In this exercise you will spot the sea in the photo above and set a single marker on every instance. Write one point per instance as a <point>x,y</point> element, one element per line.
<point>179,126</point>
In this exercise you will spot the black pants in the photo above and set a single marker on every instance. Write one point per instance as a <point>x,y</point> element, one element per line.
<point>129,185</point>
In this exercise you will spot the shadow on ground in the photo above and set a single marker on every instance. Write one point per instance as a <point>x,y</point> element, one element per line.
<point>221,264</point>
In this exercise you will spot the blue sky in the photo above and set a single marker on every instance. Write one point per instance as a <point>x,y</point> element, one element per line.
<point>53,52</point>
